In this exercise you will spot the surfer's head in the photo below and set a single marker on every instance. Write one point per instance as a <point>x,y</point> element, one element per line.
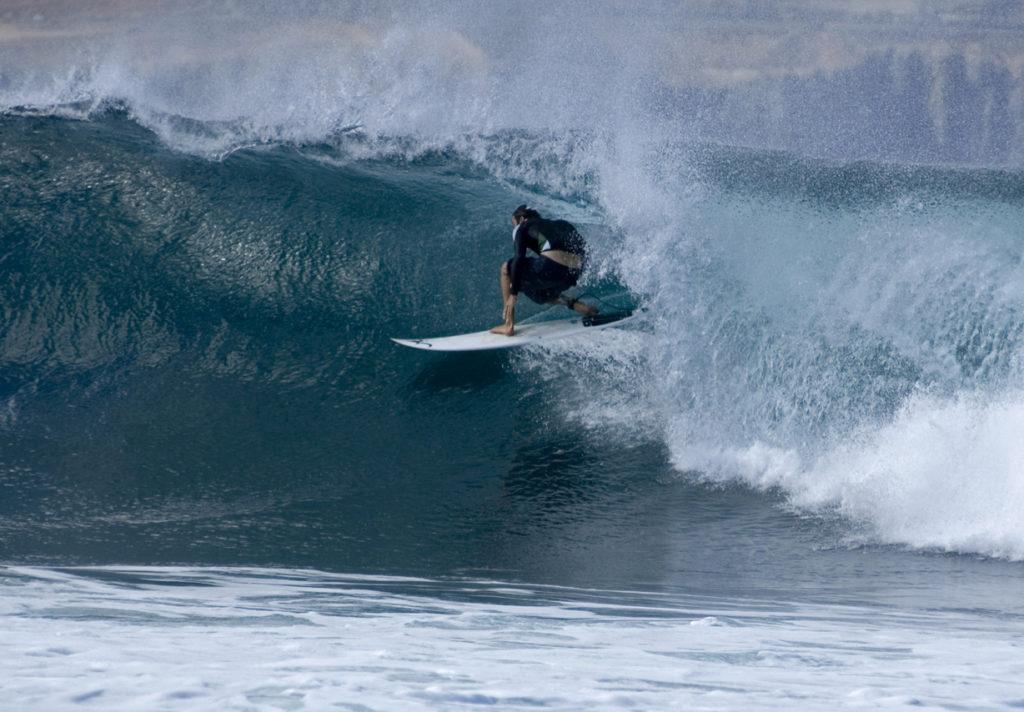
<point>524,212</point>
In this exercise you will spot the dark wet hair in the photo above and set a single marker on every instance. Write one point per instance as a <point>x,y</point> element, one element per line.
<point>524,211</point>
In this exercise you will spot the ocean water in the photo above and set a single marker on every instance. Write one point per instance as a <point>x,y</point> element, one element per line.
<point>796,482</point>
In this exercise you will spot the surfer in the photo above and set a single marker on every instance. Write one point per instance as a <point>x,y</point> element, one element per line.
<point>561,256</point>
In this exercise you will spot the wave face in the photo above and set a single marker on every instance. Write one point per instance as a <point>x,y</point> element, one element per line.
<point>215,217</point>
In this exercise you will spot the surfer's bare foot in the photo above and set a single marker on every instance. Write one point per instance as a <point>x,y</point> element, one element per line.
<point>583,308</point>
<point>504,329</point>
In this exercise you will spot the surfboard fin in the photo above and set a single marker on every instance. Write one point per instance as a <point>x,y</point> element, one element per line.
<point>608,318</point>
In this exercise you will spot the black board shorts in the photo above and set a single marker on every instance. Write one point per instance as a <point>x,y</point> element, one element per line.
<point>544,280</point>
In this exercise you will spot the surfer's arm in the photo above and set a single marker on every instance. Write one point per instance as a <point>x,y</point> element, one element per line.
<point>508,312</point>
<point>523,240</point>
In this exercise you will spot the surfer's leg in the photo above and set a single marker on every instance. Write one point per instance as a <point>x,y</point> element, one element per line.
<point>577,306</point>
<point>552,280</point>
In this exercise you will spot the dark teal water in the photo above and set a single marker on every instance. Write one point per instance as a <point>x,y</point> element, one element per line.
<point>197,364</point>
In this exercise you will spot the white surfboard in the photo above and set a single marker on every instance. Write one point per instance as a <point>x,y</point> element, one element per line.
<point>537,332</point>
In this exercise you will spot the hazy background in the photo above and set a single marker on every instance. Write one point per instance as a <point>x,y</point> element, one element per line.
<point>901,80</point>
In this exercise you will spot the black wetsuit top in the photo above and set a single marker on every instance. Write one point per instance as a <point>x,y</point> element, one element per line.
<point>540,236</point>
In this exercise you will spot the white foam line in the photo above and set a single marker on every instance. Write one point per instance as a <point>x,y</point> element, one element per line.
<point>260,640</point>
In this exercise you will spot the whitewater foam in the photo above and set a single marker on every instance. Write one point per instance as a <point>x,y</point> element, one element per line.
<point>859,356</point>
<point>944,474</point>
<point>214,639</point>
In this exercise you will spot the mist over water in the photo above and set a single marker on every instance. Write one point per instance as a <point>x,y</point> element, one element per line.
<point>907,81</point>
